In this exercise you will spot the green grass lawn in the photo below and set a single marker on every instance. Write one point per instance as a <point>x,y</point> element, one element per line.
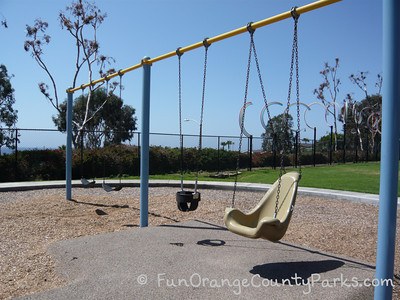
<point>360,177</point>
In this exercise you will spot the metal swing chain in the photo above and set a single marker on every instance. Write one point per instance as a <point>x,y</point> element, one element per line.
<point>295,38</point>
<point>120,129</point>
<point>251,31</point>
<point>120,83</point>
<point>179,54</point>
<point>253,45</point>
<point>120,97</point>
<point>206,46</point>
<point>104,163</point>
<point>294,60</point>
<point>81,132</point>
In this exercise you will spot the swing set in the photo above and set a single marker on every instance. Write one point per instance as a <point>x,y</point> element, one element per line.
<point>270,218</point>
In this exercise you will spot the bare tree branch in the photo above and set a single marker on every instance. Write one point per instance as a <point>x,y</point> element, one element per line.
<point>359,80</point>
<point>379,83</point>
<point>81,19</point>
<point>329,85</point>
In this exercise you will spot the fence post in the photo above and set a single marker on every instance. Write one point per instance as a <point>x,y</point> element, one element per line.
<point>16,156</point>
<point>367,154</point>
<point>296,149</point>
<point>344,143</point>
<point>356,145</point>
<point>250,152</point>
<point>274,149</point>
<point>314,144</point>
<point>218,154</point>
<point>82,154</point>
<point>330,146</point>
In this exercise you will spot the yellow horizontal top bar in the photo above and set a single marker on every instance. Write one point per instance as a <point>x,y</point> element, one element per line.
<point>255,25</point>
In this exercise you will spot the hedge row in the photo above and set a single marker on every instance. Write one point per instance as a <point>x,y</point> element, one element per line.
<point>124,160</point>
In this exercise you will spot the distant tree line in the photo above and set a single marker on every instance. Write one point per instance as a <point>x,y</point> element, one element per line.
<point>8,114</point>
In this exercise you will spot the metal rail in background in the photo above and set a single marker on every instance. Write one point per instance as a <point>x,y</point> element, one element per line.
<point>212,40</point>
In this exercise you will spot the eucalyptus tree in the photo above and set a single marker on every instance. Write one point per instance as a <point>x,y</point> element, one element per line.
<point>81,20</point>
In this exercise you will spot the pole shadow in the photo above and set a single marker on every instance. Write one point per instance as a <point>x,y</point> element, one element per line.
<point>99,205</point>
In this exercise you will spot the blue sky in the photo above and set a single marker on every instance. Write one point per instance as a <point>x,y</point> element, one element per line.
<point>349,30</point>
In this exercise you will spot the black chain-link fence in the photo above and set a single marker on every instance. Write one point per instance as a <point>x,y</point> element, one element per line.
<point>39,154</point>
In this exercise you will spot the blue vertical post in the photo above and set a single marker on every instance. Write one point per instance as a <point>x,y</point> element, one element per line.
<point>389,149</point>
<point>144,149</point>
<point>68,155</point>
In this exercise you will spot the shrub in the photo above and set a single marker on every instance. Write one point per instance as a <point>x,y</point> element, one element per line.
<point>123,160</point>
<point>308,159</point>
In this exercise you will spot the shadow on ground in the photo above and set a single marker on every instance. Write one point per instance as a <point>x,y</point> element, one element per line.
<point>295,273</point>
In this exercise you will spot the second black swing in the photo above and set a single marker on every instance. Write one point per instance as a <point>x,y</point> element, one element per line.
<point>187,200</point>
<point>85,182</point>
<point>104,185</point>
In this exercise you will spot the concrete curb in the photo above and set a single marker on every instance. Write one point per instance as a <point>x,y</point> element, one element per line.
<point>256,187</point>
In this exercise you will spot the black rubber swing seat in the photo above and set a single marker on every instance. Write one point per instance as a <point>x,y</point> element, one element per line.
<point>87,184</point>
<point>183,198</point>
<point>109,188</point>
<point>261,222</point>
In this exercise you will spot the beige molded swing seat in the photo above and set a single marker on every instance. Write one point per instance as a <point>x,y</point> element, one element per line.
<point>260,222</point>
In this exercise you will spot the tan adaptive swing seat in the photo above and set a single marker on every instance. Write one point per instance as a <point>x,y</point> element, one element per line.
<point>260,222</point>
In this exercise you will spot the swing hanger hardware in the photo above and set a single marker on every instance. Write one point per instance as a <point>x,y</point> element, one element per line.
<point>120,73</point>
<point>178,51</point>
<point>206,43</point>
<point>250,29</point>
<point>294,13</point>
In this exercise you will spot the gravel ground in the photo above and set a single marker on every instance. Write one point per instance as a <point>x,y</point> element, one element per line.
<point>30,221</point>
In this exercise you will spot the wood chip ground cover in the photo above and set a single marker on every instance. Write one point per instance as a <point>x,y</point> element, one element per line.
<point>31,220</point>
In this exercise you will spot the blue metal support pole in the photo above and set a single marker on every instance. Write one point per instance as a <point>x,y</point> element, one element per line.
<point>389,150</point>
<point>144,150</point>
<point>68,155</point>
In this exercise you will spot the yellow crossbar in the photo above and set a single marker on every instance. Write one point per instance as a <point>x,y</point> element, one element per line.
<point>255,25</point>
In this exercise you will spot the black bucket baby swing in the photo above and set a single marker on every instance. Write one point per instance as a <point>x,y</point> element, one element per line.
<point>188,200</point>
